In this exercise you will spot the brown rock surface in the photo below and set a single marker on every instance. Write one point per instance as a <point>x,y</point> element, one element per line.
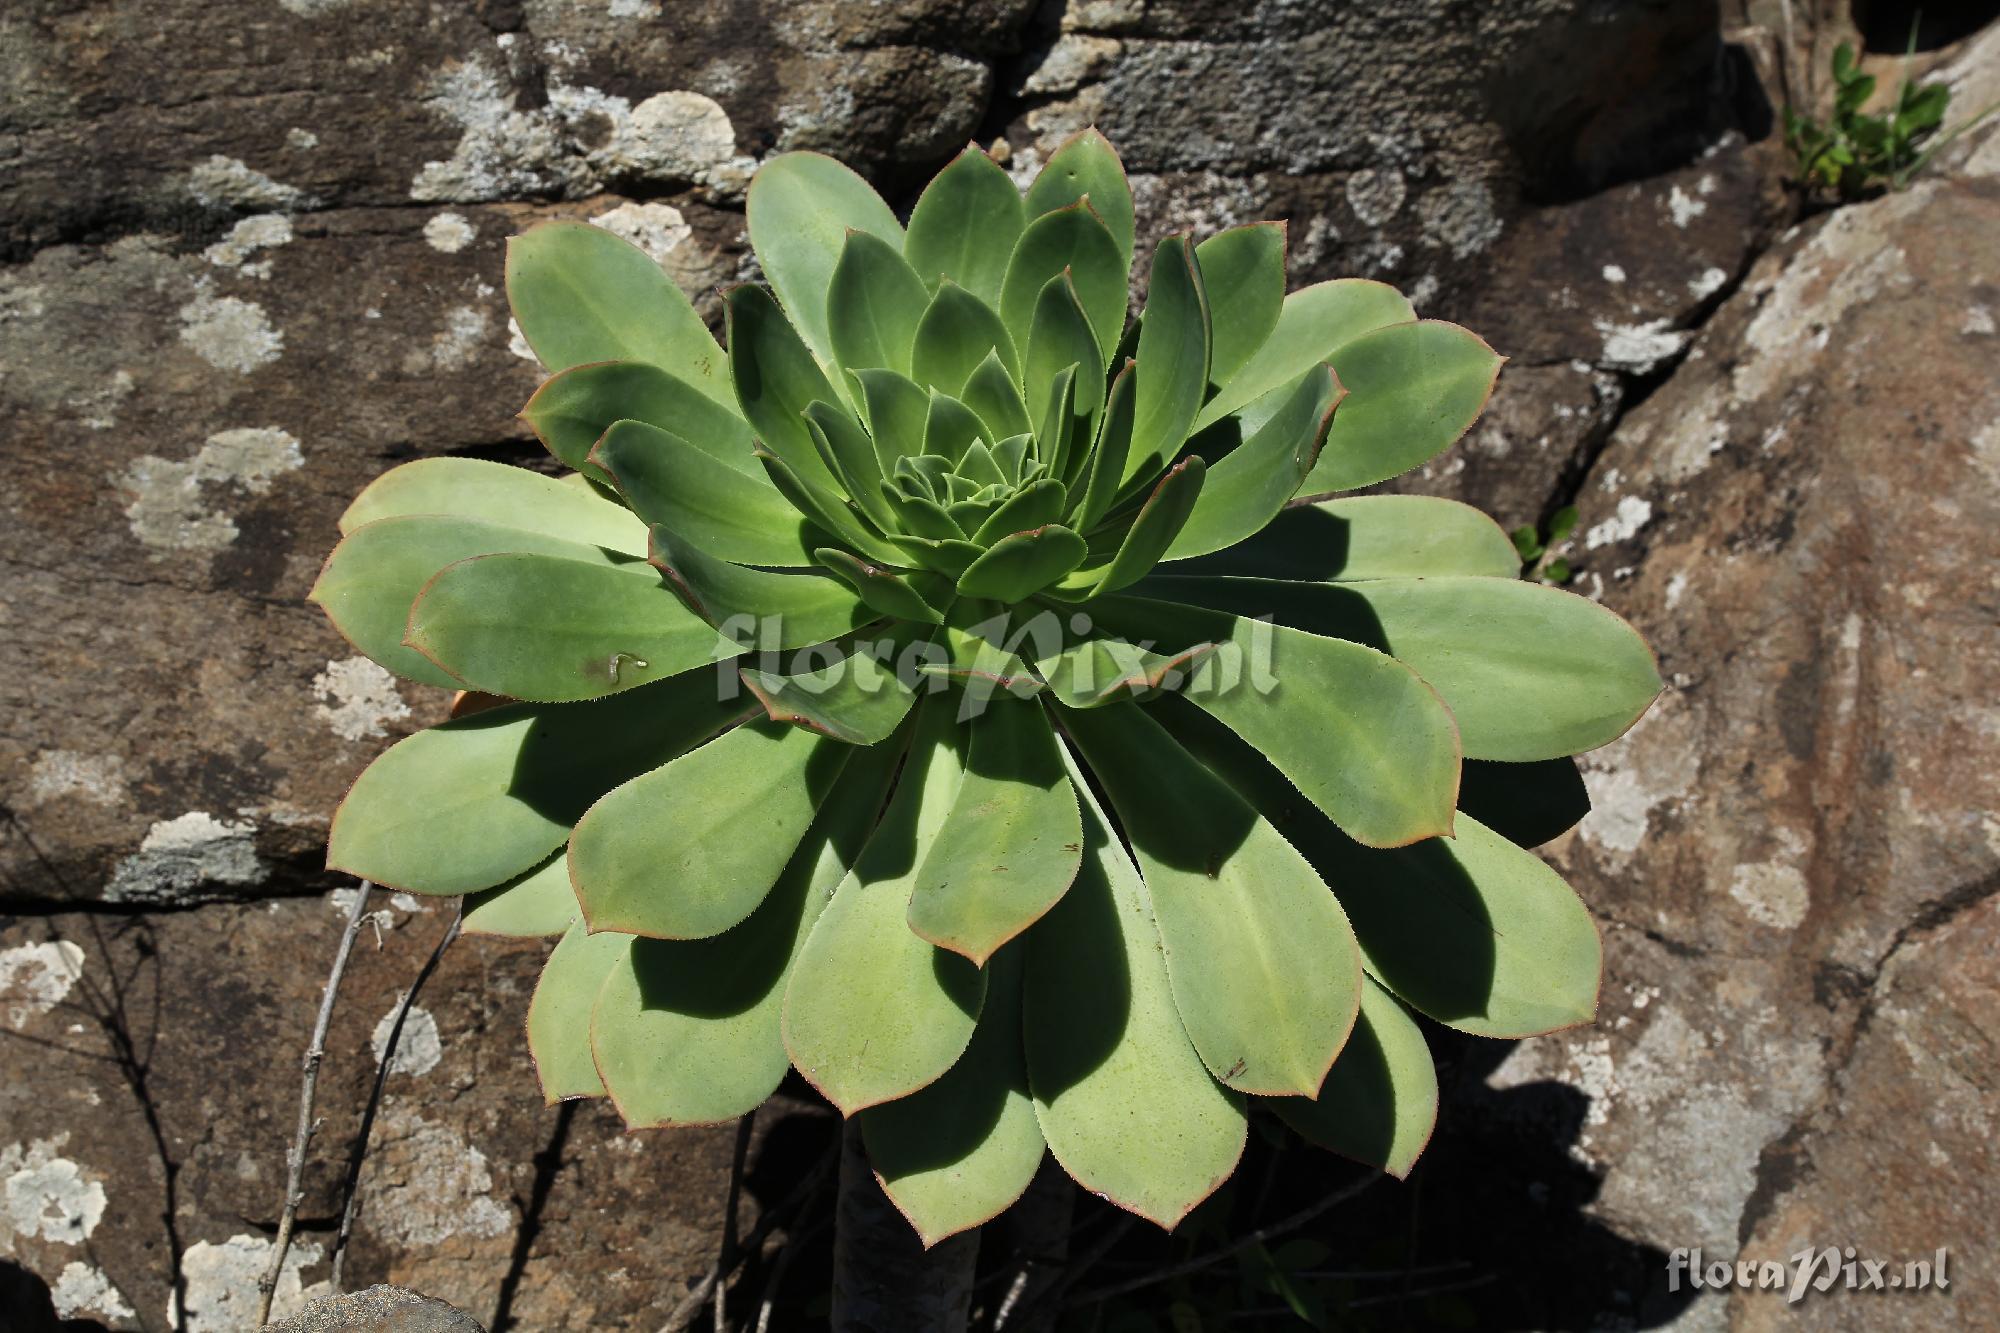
<point>1795,852</point>
<point>149,1086</point>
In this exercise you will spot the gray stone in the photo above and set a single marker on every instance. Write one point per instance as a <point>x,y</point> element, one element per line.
<point>379,1309</point>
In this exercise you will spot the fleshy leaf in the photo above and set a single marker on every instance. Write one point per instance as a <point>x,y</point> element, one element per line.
<point>1159,521</point>
<point>581,294</point>
<point>1247,266</point>
<point>756,608</point>
<point>1035,504</point>
<point>1264,968</point>
<point>1501,946</point>
<point>1379,1102</point>
<point>965,225</point>
<point>731,515</point>
<point>549,630</point>
<point>689,849</point>
<point>1086,165</point>
<point>1529,671</point>
<point>1072,238</point>
<point>873,304</point>
<point>1413,390</point>
<point>1368,537</point>
<point>688,1031</point>
<point>826,509</point>
<point>872,1012</point>
<point>956,333</point>
<point>959,1152</point>
<point>496,493</point>
<point>1359,732</point>
<point>993,396</point>
<point>884,590</point>
<point>475,801</point>
<point>559,1012</point>
<point>859,699</point>
<point>1023,563</point>
<point>374,575</point>
<point>1061,341</point>
<point>1109,1062</point>
<point>776,380</point>
<point>1010,845</point>
<point>1247,486</point>
<point>801,207</point>
<point>1107,461</point>
<point>1314,323</point>
<point>540,902</point>
<point>896,407</point>
<point>1173,358</point>
<point>573,409</point>
<point>1103,671</point>
<point>848,451</point>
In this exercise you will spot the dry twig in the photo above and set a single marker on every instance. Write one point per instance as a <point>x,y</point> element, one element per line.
<point>295,1161</point>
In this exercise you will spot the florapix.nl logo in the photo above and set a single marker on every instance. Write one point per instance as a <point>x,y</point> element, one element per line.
<point>1810,1270</point>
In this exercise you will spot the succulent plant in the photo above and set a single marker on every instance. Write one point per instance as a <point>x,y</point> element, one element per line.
<point>944,691</point>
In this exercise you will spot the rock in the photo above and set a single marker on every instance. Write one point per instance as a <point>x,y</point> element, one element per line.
<point>149,1083</point>
<point>1794,854</point>
<point>380,1309</point>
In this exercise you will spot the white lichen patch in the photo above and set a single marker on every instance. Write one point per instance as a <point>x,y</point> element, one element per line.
<point>517,342</point>
<point>431,1185</point>
<point>1707,283</point>
<point>454,346</point>
<point>302,139</point>
<point>357,698</point>
<point>449,232</point>
<point>35,978</point>
<point>1978,322</point>
<point>1633,513</point>
<point>82,1290</point>
<point>658,229</point>
<point>181,856</point>
<point>221,1282</point>
<point>418,1049</point>
<point>312,8</point>
<point>1773,892</point>
<point>1376,195</point>
<point>265,231</point>
<point>45,1194</point>
<point>1613,273</point>
<point>504,150</point>
<point>97,778</point>
<point>225,182</point>
<point>230,333</point>
<point>1460,217</point>
<point>1651,769</point>
<point>170,507</point>
<point>1683,207</point>
<point>1638,348</point>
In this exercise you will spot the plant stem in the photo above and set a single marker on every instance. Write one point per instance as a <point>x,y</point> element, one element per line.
<point>1039,1227</point>
<point>883,1280</point>
<point>726,1260</point>
<point>1216,1256</point>
<point>353,1192</point>
<point>295,1162</point>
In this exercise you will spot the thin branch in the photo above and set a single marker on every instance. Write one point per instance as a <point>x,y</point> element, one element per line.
<point>1257,1237</point>
<point>782,1265</point>
<point>352,1191</point>
<point>295,1162</point>
<point>726,1260</point>
<point>1052,1297</point>
<point>684,1314</point>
